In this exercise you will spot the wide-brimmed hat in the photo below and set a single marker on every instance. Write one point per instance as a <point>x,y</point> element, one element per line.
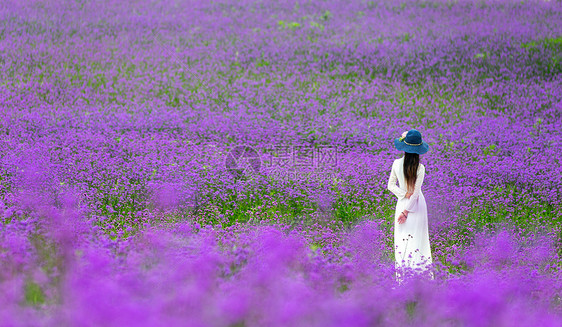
<point>412,143</point>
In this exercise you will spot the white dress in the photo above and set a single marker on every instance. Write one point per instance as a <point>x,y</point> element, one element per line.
<point>411,238</point>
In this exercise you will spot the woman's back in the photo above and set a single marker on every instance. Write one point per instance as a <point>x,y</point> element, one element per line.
<point>398,166</point>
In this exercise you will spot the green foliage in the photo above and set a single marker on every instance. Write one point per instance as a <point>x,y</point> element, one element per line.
<point>529,45</point>
<point>34,294</point>
<point>491,150</point>
<point>482,55</point>
<point>553,46</point>
<point>343,287</point>
<point>241,323</point>
<point>288,25</point>
<point>317,25</point>
<point>406,37</point>
<point>411,308</point>
<point>530,212</point>
<point>47,252</point>
<point>326,15</point>
<point>554,43</point>
<point>262,63</point>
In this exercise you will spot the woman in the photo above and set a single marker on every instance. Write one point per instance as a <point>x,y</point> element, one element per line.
<point>411,236</point>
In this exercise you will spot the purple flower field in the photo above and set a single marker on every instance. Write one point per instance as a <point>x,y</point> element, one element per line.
<point>225,163</point>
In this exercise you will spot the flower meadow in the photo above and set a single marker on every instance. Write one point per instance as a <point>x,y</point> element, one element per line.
<point>225,163</point>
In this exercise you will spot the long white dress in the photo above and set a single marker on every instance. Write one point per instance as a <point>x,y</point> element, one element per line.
<point>411,238</point>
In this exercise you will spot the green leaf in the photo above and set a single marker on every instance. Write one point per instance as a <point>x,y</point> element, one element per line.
<point>34,295</point>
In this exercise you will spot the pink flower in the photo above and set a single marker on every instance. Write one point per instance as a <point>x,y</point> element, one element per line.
<point>404,134</point>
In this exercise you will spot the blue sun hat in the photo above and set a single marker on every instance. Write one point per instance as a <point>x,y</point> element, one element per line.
<point>412,143</point>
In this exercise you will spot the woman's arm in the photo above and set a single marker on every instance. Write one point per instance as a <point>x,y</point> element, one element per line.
<point>400,193</point>
<point>417,189</point>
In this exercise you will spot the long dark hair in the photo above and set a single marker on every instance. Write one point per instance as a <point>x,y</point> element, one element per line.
<point>411,163</point>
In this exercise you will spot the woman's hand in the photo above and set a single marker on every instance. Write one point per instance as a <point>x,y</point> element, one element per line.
<point>408,194</point>
<point>402,218</point>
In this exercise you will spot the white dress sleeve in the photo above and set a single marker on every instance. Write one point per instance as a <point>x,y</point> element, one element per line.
<point>414,197</point>
<point>392,187</point>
